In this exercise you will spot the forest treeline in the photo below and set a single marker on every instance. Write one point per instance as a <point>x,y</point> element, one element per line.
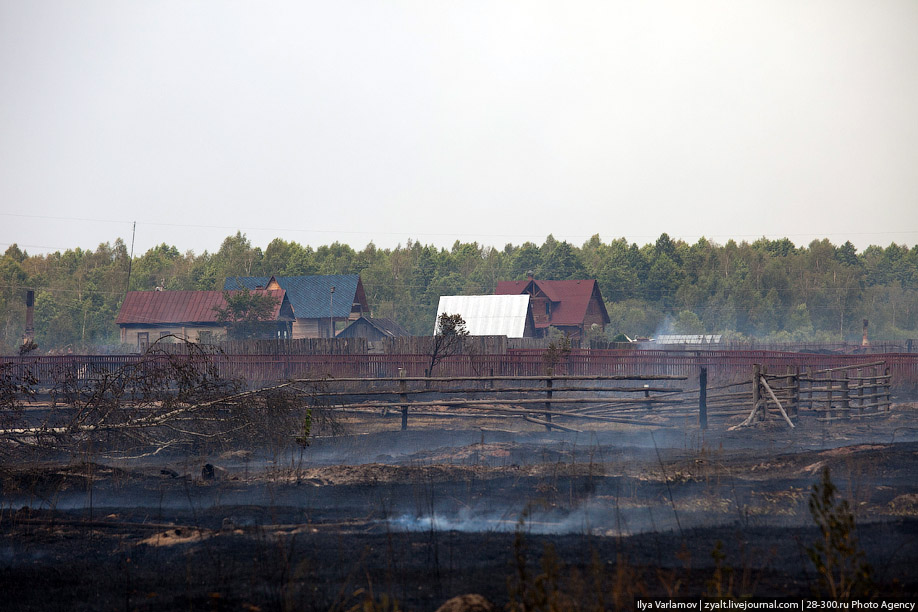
<point>766,289</point>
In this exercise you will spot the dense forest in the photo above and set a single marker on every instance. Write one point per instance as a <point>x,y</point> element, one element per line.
<point>767,289</point>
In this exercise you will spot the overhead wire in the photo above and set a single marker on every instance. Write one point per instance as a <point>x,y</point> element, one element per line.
<point>408,234</point>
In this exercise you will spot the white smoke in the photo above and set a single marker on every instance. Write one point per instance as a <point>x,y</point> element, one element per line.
<point>591,518</point>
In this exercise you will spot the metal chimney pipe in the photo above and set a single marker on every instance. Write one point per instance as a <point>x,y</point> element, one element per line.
<point>865,341</point>
<point>29,335</point>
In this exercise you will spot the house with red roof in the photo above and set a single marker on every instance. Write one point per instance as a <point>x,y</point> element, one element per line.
<point>571,306</point>
<point>147,316</point>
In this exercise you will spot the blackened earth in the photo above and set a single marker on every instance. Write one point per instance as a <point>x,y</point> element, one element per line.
<point>423,515</point>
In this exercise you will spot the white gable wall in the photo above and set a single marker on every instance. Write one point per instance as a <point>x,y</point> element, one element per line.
<point>488,315</point>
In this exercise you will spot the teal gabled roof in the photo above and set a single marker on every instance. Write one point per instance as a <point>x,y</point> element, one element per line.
<point>311,296</point>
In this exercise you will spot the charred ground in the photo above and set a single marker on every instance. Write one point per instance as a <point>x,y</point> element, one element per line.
<point>424,515</point>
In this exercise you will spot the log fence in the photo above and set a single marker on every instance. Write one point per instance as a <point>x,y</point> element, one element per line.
<point>648,399</point>
<point>844,393</point>
<point>536,399</point>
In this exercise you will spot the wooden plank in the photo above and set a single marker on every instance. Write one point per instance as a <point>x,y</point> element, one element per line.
<point>497,378</point>
<point>389,392</point>
<point>491,402</point>
<point>780,407</point>
<point>549,425</point>
<point>703,398</point>
<point>849,367</point>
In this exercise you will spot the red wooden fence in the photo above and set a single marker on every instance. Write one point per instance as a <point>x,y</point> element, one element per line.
<point>722,365</point>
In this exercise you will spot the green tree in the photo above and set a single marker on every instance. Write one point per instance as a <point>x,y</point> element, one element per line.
<point>560,261</point>
<point>663,280</point>
<point>246,313</point>
<point>687,322</point>
<point>449,339</point>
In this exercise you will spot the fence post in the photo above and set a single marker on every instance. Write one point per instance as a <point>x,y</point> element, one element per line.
<point>403,397</point>
<point>846,402</point>
<point>875,390</point>
<point>860,392</point>
<point>548,403</point>
<point>887,384</point>
<point>703,398</point>
<point>806,401</point>
<point>756,374</point>
<point>762,374</point>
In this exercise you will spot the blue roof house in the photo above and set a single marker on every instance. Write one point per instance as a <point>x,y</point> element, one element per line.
<point>318,302</point>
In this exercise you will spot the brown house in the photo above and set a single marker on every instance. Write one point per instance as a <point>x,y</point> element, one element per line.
<point>147,316</point>
<point>572,306</point>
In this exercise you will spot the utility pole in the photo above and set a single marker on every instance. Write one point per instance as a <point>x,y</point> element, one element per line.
<point>331,320</point>
<point>127,286</point>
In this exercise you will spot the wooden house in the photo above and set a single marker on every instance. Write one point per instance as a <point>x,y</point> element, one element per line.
<point>319,302</point>
<point>571,306</point>
<point>373,330</point>
<point>147,316</point>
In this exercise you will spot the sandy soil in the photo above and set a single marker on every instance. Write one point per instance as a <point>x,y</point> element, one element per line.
<point>423,515</point>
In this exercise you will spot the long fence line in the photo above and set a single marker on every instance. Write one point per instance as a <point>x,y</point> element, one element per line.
<point>722,366</point>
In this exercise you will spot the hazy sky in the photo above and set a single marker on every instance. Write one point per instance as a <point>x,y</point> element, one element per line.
<point>433,120</point>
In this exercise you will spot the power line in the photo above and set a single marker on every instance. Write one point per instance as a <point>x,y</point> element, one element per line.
<point>412,233</point>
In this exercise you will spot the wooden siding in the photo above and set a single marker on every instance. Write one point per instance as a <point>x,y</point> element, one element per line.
<point>311,328</point>
<point>721,365</point>
<point>186,332</point>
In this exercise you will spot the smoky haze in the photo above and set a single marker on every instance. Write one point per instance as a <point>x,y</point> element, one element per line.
<point>359,122</point>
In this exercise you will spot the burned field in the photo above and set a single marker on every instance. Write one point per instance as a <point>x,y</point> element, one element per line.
<point>545,520</point>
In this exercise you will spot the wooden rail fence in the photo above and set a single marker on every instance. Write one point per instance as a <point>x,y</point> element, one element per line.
<point>845,392</point>
<point>535,399</point>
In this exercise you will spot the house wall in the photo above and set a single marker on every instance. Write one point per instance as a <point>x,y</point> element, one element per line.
<point>131,335</point>
<point>305,328</point>
<point>529,330</point>
<point>362,329</point>
<point>593,315</point>
<point>574,331</point>
<point>541,309</point>
<point>312,328</point>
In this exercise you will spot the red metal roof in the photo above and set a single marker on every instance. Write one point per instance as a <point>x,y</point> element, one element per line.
<point>569,298</point>
<point>152,307</point>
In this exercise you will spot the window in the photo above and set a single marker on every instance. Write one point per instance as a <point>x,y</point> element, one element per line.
<point>205,337</point>
<point>143,341</point>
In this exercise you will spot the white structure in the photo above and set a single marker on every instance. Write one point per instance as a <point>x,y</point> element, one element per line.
<point>490,315</point>
<point>688,339</point>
